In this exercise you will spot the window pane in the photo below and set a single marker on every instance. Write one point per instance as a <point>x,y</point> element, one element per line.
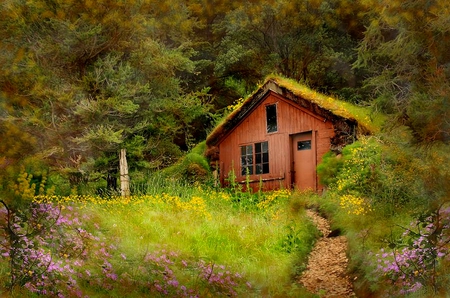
<point>244,171</point>
<point>303,145</point>
<point>246,160</point>
<point>257,147</point>
<point>259,169</point>
<point>271,118</point>
<point>257,163</point>
<point>247,170</point>
<point>262,158</point>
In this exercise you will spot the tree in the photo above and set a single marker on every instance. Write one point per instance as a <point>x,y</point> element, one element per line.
<point>405,48</point>
<point>311,41</point>
<point>87,79</point>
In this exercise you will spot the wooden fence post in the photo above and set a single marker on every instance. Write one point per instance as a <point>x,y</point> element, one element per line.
<point>124,178</point>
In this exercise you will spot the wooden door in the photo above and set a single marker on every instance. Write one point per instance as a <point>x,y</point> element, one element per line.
<point>303,161</point>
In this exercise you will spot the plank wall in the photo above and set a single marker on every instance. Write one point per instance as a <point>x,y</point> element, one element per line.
<point>291,120</point>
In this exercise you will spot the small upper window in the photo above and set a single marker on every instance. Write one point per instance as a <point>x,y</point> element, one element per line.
<point>271,118</point>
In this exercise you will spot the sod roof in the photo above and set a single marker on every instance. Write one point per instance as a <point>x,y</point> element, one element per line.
<point>327,107</point>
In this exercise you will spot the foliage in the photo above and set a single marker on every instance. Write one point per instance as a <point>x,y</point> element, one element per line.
<point>80,80</point>
<point>419,258</point>
<point>295,39</point>
<point>405,51</point>
<point>103,245</point>
<point>353,177</point>
<point>193,167</point>
<point>50,254</point>
<point>87,79</point>
<point>378,186</point>
<point>311,41</point>
<point>372,174</point>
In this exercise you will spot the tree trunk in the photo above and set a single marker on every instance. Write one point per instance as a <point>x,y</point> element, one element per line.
<point>111,181</point>
<point>124,178</point>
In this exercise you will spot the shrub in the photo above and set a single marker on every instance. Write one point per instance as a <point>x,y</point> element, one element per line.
<point>193,167</point>
<point>416,259</point>
<point>329,168</point>
<point>43,247</point>
<point>376,187</point>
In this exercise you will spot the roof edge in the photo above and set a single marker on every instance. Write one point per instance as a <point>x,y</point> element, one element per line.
<point>327,107</point>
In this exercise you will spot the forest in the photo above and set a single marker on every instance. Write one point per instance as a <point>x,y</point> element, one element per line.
<point>81,80</point>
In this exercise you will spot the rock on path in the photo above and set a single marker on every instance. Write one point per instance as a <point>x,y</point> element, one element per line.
<point>327,264</point>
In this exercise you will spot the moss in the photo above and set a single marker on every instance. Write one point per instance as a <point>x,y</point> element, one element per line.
<point>200,148</point>
<point>363,115</point>
<point>367,121</point>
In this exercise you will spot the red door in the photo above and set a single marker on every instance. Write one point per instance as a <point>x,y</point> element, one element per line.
<point>303,161</point>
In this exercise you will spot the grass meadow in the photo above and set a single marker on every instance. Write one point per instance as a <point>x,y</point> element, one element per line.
<point>188,239</point>
<point>173,241</point>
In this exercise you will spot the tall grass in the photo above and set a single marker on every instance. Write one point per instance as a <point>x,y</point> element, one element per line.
<point>171,234</point>
<point>265,248</point>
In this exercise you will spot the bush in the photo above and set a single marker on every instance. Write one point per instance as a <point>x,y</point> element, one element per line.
<point>329,168</point>
<point>375,189</point>
<point>194,167</point>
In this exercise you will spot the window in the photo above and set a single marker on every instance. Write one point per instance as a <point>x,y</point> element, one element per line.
<point>271,118</point>
<point>262,158</point>
<point>246,160</point>
<point>304,145</point>
<point>259,163</point>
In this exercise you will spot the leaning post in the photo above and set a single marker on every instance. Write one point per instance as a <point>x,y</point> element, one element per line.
<point>124,178</point>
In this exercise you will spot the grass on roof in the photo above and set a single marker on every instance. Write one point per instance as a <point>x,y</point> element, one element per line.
<point>366,118</point>
<point>363,115</point>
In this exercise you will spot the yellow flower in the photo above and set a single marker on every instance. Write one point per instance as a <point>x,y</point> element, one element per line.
<point>354,205</point>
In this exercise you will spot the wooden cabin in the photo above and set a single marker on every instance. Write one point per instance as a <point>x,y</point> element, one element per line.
<point>276,138</point>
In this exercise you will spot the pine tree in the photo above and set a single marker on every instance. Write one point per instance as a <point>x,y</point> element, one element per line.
<point>87,78</point>
<point>406,50</point>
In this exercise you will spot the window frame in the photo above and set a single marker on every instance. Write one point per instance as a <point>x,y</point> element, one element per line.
<point>247,159</point>
<point>275,116</point>
<point>258,162</point>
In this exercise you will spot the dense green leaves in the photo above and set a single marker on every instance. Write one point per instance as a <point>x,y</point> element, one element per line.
<point>405,48</point>
<point>90,77</point>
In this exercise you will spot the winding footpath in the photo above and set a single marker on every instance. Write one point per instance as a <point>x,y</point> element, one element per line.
<point>326,273</point>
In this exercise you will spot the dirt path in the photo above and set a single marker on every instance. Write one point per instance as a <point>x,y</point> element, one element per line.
<point>327,264</point>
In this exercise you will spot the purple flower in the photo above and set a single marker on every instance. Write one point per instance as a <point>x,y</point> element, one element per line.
<point>112,276</point>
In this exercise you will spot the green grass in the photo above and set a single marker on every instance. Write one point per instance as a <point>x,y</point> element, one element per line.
<point>266,244</point>
<point>249,242</point>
